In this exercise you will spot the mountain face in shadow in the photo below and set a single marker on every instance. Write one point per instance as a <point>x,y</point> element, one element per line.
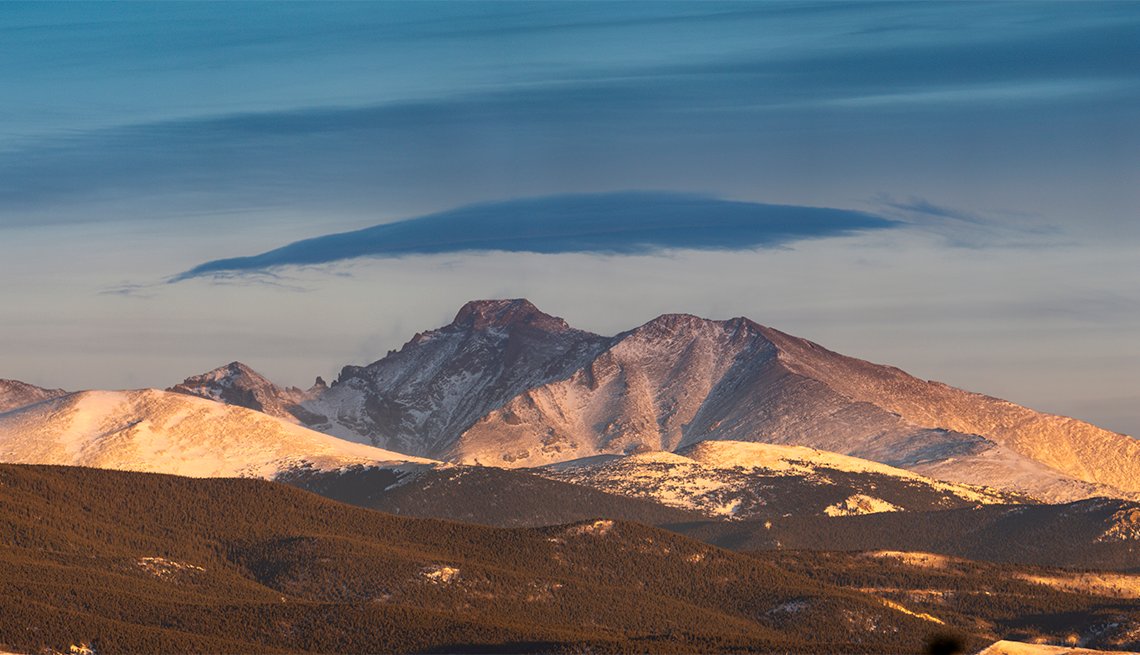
<point>167,564</point>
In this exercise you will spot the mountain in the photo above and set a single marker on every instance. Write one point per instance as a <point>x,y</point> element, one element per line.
<point>1078,450</point>
<point>507,385</point>
<point>679,380</point>
<point>15,394</point>
<point>237,384</point>
<point>159,431</point>
<point>418,400</point>
<point>141,563</point>
<point>740,480</point>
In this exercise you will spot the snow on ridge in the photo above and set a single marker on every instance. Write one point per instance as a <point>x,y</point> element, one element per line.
<point>728,479</point>
<point>778,457</point>
<point>165,432</point>
<point>802,460</point>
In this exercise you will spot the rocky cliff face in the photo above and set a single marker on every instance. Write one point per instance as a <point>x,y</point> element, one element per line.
<point>678,380</point>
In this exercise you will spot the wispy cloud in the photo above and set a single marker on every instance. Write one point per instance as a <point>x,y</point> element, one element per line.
<point>969,229</point>
<point>612,223</point>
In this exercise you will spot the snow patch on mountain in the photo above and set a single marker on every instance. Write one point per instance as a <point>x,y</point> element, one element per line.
<point>164,432</point>
<point>804,461</point>
<point>859,504</point>
<point>738,480</point>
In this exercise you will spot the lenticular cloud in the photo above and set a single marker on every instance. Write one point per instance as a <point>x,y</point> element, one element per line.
<point>611,223</point>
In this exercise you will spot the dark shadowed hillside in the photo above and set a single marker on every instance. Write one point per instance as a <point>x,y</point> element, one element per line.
<point>484,495</point>
<point>137,563</point>
<point>1022,603</point>
<point>1097,534</point>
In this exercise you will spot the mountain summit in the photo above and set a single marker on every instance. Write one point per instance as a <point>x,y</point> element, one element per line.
<point>421,398</point>
<point>505,314</point>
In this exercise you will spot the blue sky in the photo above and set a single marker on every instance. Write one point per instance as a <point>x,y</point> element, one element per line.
<point>139,141</point>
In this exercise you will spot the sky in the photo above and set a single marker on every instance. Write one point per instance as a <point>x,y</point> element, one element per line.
<point>951,188</point>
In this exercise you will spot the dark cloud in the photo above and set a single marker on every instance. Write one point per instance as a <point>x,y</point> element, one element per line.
<point>613,223</point>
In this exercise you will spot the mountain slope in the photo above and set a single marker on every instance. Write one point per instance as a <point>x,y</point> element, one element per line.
<point>1028,604</point>
<point>141,563</point>
<point>1077,449</point>
<point>158,431</point>
<point>738,480</point>
<point>15,394</point>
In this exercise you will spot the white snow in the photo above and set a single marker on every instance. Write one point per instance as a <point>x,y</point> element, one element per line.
<point>1005,647</point>
<point>440,574</point>
<point>164,568</point>
<point>859,504</point>
<point>726,479</point>
<point>164,432</point>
